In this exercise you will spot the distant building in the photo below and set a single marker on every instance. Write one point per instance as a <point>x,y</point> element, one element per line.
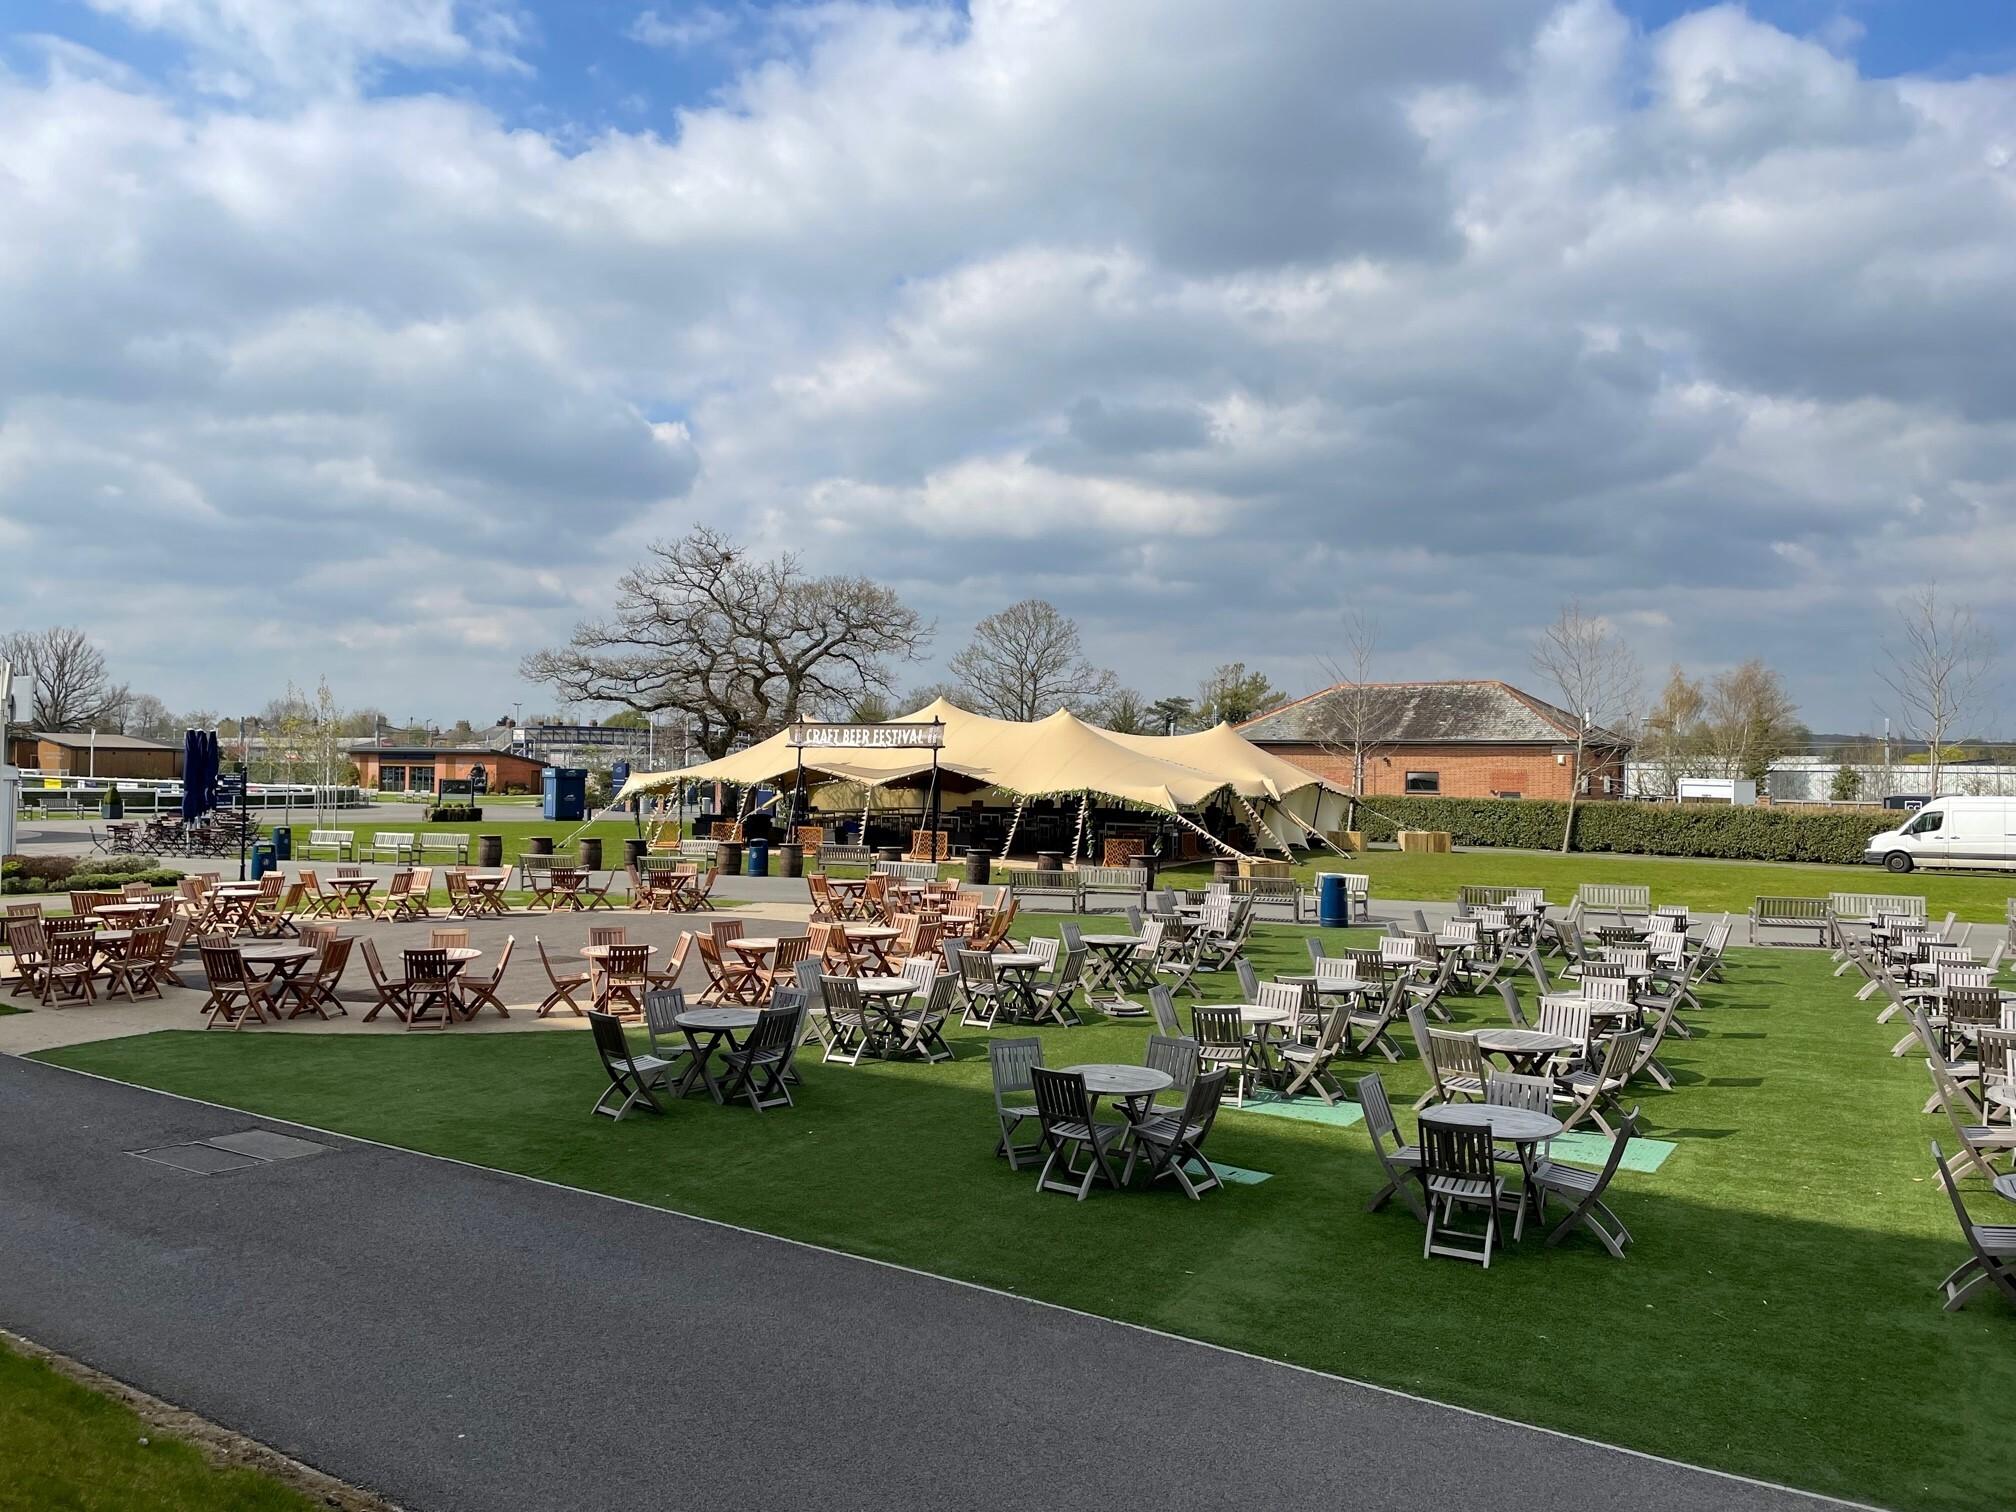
<point>422,769</point>
<point>70,753</point>
<point>590,745</point>
<point>1446,739</point>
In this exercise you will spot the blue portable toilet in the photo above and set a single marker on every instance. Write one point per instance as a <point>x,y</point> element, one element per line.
<point>566,793</point>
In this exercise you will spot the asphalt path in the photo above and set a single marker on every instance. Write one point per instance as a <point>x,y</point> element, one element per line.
<point>454,1338</point>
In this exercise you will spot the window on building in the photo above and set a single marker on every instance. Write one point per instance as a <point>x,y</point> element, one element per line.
<point>420,779</point>
<point>1424,782</point>
<point>391,779</point>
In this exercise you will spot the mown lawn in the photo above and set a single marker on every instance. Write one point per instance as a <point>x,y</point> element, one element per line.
<point>65,1448</point>
<point>1777,1316</point>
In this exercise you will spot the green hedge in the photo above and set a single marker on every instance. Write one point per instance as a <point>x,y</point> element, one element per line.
<point>1836,836</point>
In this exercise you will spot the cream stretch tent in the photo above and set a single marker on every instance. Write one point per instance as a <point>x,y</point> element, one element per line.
<point>1057,755</point>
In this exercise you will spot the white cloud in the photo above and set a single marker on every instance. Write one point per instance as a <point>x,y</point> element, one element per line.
<point>1455,309</point>
<point>684,29</point>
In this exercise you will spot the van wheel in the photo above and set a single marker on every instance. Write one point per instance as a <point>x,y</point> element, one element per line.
<point>1897,862</point>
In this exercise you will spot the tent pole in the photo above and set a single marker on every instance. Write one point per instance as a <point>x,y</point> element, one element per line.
<point>931,826</point>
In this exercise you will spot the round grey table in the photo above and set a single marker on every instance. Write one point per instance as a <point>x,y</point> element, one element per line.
<point>1112,967</point>
<point>713,1025</point>
<point>1131,1084</point>
<point>1523,1049</point>
<point>1519,1127</point>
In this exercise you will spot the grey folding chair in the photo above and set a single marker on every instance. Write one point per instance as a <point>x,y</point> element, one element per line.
<point>632,1078</point>
<point>1308,1066</point>
<point>1174,1141</point>
<point>662,1007</point>
<point>1583,1191</point>
<point>1993,1262</point>
<point>1010,1061</point>
<point>1402,1162</point>
<point>1064,1112</point>
<point>1164,1005</point>
<point>1176,1055</point>
<point>757,1071</point>
<point>1458,1173</point>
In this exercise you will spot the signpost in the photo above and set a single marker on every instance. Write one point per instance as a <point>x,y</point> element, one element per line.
<point>808,735</point>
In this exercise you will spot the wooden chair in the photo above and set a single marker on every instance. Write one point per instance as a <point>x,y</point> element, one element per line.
<point>134,974</point>
<point>1164,1008</point>
<point>1583,1191</point>
<point>727,981</point>
<point>395,901</point>
<point>1402,1162</point>
<point>67,969</point>
<point>1222,1042</point>
<point>1308,1066</point>
<point>979,989</point>
<point>27,938</point>
<point>1993,1262</point>
<point>1457,1172</point>
<point>758,1069</point>
<point>430,983</point>
<point>625,978</point>
<point>563,985</point>
<point>1174,1141</point>
<point>479,993</point>
<point>316,990</point>
<point>1454,1062</point>
<point>390,990</point>
<point>850,1032</point>
<point>783,967</point>
<point>1064,1113</point>
<point>633,1079</point>
<point>1592,1091</point>
<point>236,996</point>
<point>1176,1056</point>
<point>608,934</point>
<point>448,939</point>
<point>924,1023</point>
<point>1009,1061</point>
<point>668,974</point>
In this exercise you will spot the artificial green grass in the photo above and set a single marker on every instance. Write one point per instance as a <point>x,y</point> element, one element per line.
<point>66,1448</point>
<point>1708,887</point>
<point>1777,1316</point>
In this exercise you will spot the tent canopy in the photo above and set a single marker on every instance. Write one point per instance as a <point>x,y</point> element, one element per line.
<point>1057,754</point>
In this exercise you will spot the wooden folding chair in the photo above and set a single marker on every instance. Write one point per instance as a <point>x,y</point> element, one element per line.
<point>236,996</point>
<point>564,984</point>
<point>1174,1141</point>
<point>633,1079</point>
<point>1401,1163</point>
<point>1064,1113</point>
<point>1993,1262</point>
<point>1583,1191</point>
<point>479,993</point>
<point>391,991</point>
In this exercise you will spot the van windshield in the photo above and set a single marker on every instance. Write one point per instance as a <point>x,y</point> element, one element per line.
<point>1924,824</point>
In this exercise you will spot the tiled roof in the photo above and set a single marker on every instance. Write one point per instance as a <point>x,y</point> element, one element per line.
<point>1425,713</point>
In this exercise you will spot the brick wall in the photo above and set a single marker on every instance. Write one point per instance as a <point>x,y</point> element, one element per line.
<point>1464,771</point>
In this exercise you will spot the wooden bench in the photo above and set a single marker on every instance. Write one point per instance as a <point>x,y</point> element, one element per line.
<point>698,850</point>
<point>846,855</point>
<point>448,843</point>
<point>1620,898</point>
<point>341,844</point>
<point>908,871</point>
<point>1862,908</point>
<point>1806,914</point>
<point>1129,884</point>
<point>399,843</point>
<point>1273,892</point>
<point>1479,895</point>
<point>1048,886</point>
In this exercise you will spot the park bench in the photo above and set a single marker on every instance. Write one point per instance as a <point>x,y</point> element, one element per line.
<point>1273,892</point>
<point>845,855</point>
<point>1624,899</point>
<point>1048,886</point>
<point>341,844</point>
<point>1805,914</point>
<point>447,843</point>
<point>1482,895</point>
<point>908,871</point>
<point>398,843</point>
<point>1859,908</point>
<point>1129,884</point>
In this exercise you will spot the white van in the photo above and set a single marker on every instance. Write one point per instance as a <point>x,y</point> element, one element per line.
<point>1976,833</point>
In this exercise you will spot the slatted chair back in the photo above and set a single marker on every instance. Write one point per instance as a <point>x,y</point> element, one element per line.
<point>1176,1056</point>
<point>1072,936</point>
<point>1667,948</point>
<point>1607,990</point>
<point>724,930</point>
<point>1969,975</point>
<point>820,933</point>
<point>824,908</point>
<point>1515,1012</point>
<point>1061,1100</point>
<point>626,963</point>
<point>223,966</point>
<point>456,880</point>
<point>662,1007</point>
<point>1460,931</point>
<point>32,910</point>
<point>907,934</point>
<point>1948,955</point>
<point>1249,979</point>
<point>1456,1152</point>
<point>449,939</point>
<point>1972,1007</point>
<point>608,934</point>
<point>428,964</point>
<point>1372,966</point>
<point>922,970</point>
<point>1507,1089</point>
<point>1314,945</point>
<point>1570,1020</point>
<point>1280,997</point>
<point>1010,1062</point>
<point>1044,948</point>
<point>27,934</point>
<point>1455,1060</point>
<point>1333,972</point>
<point>791,949</point>
<point>57,926</point>
<point>376,967</point>
<point>1164,1007</point>
<point>1068,971</point>
<point>1399,951</point>
<point>1995,1052</point>
<point>1218,1027</point>
<point>810,974</point>
<point>1380,1123</point>
<point>842,997</point>
<point>976,971</point>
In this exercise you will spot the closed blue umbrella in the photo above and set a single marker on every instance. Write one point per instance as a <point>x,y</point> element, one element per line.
<point>192,773</point>
<point>212,764</point>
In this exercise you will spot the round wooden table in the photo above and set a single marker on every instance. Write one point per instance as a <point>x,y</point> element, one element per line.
<point>1133,1085</point>
<point>1111,966</point>
<point>1524,1049</point>
<point>705,1029</point>
<point>1519,1127</point>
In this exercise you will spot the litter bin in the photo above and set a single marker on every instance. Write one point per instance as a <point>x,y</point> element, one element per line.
<point>978,871</point>
<point>262,859</point>
<point>633,852</point>
<point>490,852</point>
<point>591,854</point>
<point>539,845</point>
<point>283,843</point>
<point>1333,902</point>
<point>728,857</point>
<point>759,858</point>
<point>790,859</point>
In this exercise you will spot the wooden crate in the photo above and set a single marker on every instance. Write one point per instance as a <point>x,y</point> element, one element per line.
<point>1347,840</point>
<point>1430,841</point>
<point>1266,869</point>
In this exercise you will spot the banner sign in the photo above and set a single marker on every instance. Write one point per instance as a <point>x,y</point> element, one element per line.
<point>808,736</point>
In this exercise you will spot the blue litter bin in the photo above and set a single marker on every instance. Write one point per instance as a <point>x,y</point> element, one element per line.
<point>262,860</point>
<point>759,858</point>
<point>283,843</point>
<point>1333,900</point>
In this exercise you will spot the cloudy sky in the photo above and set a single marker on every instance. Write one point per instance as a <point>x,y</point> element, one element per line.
<point>370,338</point>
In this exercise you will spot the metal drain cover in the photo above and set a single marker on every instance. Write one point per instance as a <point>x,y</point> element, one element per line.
<point>264,1144</point>
<point>203,1159</point>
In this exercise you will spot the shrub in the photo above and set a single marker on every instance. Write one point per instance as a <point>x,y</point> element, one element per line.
<point>1835,836</point>
<point>454,813</point>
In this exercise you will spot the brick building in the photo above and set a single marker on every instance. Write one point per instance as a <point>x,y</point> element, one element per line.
<point>73,753</point>
<point>1446,739</point>
<point>422,769</point>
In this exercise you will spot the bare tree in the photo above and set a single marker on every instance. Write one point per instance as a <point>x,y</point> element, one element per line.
<point>1352,715</point>
<point>1126,712</point>
<point>146,717</point>
<point>1026,662</point>
<point>1937,667</point>
<point>69,687</point>
<point>1750,720</point>
<point>1596,677</point>
<point>741,645</point>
